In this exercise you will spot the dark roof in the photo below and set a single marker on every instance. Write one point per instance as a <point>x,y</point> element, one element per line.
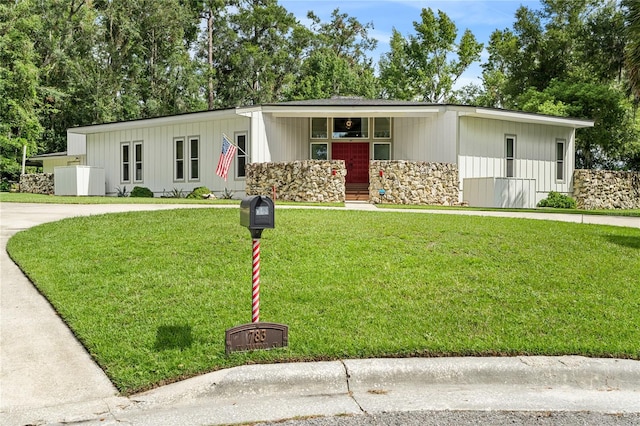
<point>351,101</point>
<point>51,154</point>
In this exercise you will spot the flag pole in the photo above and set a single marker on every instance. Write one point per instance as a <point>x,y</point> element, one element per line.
<point>237,147</point>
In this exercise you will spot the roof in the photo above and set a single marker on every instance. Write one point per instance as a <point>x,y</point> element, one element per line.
<point>50,156</point>
<point>344,106</point>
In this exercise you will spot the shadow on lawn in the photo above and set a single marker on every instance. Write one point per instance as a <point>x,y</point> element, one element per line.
<point>625,241</point>
<point>173,337</point>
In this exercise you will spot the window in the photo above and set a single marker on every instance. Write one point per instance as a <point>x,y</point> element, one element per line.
<point>382,151</point>
<point>560,159</point>
<point>319,128</point>
<point>194,158</point>
<point>241,157</point>
<point>137,161</point>
<point>178,174</point>
<point>511,155</point>
<point>125,161</point>
<point>382,127</point>
<point>319,151</point>
<point>349,128</point>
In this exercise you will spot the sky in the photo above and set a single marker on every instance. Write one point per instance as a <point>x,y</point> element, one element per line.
<point>482,17</point>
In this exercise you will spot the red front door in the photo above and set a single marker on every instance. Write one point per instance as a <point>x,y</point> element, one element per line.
<point>356,159</point>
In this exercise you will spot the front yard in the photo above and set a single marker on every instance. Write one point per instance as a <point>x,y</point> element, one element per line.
<point>151,294</point>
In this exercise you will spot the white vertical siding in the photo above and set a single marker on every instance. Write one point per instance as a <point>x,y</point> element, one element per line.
<point>430,138</point>
<point>76,144</point>
<point>103,150</point>
<point>287,137</point>
<point>482,152</point>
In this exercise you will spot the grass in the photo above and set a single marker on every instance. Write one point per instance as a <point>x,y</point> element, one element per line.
<point>608,212</point>
<point>8,197</point>
<point>150,295</point>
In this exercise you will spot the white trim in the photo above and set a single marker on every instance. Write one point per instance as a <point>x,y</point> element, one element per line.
<point>507,137</point>
<point>122,163</point>
<point>175,159</point>
<point>191,158</point>
<point>353,111</point>
<point>137,161</point>
<point>522,117</point>
<point>563,160</point>
<point>239,154</point>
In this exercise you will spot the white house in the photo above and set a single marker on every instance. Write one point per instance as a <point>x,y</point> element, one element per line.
<point>492,148</point>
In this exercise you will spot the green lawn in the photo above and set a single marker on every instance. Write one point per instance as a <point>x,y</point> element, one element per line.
<point>151,294</point>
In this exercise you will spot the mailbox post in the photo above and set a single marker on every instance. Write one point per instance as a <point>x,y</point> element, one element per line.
<point>256,213</point>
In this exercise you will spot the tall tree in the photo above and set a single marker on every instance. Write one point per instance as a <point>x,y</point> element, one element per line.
<point>260,54</point>
<point>337,63</point>
<point>19,83</point>
<point>427,65</point>
<point>632,52</point>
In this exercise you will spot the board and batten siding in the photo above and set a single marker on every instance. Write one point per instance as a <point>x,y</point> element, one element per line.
<point>425,138</point>
<point>103,150</point>
<point>287,138</point>
<point>482,152</point>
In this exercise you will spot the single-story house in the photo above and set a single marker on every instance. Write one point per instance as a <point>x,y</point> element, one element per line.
<point>487,145</point>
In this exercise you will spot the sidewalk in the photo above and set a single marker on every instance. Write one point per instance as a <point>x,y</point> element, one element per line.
<point>46,376</point>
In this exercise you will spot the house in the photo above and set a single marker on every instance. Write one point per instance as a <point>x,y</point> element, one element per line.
<point>494,150</point>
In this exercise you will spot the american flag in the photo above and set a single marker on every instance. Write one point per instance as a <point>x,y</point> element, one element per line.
<point>226,156</point>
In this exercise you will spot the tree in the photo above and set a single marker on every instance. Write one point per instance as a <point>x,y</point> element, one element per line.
<point>337,63</point>
<point>19,82</point>
<point>632,52</point>
<point>259,56</point>
<point>420,67</point>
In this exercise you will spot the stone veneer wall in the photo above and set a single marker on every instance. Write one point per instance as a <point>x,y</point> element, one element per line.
<point>307,180</point>
<point>413,182</point>
<point>602,189</point>
<point>37,183</point>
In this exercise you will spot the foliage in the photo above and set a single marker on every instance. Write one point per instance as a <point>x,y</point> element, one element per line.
<point>420,68</point>
<point>380,298</point>
<point>558,201</point>
<point>19,83</point>
<point>174,193</point>
<point>632,52</point>
<point>141,192</point>
<point>198,192</point>
<point>122,192</point>
<point>337,62</point>
<point>227,194</point>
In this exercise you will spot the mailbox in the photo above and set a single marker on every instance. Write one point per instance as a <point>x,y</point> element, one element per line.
<point>257,213</point>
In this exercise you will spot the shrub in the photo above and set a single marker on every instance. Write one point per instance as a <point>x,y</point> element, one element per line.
<point>141,191</point>
<point>122,192</point>
<point>227,194</point>
<point>558,201</point>
<point>174,193</point>
<point>198,192</point>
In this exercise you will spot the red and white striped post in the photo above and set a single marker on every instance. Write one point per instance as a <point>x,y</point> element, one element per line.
<point>255,311</point>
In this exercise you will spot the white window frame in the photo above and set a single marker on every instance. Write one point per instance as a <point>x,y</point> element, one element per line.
<point>193,158</point>
<point>241,156</point>
<point>560,162</point>
<point>326,128</point>
<point>363,121</point>
<point>138,161</point>
<point>373,152</point>
<point>390,128</point>
<point>179,163</point>
<point>510,160</point>
<point>125,165</point>
<point>326,144</point>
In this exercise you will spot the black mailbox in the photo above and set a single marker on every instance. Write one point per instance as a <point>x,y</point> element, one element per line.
<point>257,213</point>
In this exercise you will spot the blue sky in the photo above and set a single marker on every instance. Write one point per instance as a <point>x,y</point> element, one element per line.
<point>482,17</point>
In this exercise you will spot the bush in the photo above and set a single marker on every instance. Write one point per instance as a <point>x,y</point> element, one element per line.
<point>198,192</point>
<point>558,201</point>
<point>141,191</point>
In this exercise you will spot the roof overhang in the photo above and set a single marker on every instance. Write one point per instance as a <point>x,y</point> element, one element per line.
<point>52,156</point>
<point>351,110</point>
<point>523,117</point>
<point>150,122</point>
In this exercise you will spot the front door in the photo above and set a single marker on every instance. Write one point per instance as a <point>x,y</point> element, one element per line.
<point>356,159</point>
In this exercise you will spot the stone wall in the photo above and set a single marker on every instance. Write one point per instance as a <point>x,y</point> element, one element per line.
<point>37,183</point>
<point>413,182</point>
<point>308,180</point>
<point>601,189</point>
